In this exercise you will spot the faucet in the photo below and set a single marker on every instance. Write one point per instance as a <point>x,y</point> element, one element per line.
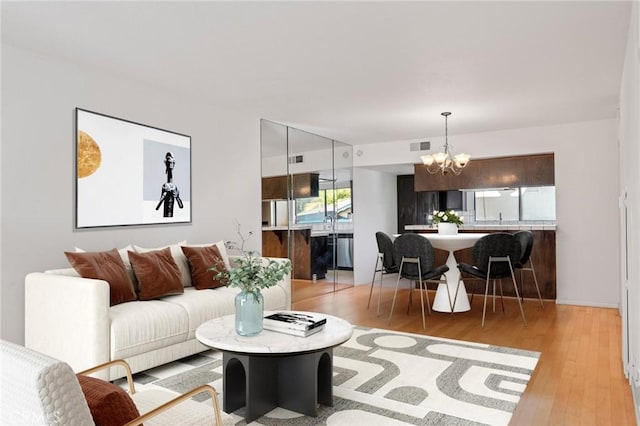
<point>500,217</point>
<point>328,220</point>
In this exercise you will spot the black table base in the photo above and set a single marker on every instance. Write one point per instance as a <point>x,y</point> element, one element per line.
<point>297,382</point>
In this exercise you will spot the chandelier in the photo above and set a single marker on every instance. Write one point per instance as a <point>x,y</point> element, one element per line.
<point>445,162</point>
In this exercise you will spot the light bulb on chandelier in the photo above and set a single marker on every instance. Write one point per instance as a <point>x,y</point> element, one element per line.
<point>445,161</point>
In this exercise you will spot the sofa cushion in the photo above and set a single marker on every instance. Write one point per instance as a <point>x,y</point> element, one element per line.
<point>204,305</point>
<point>107,266</point>
<point>144,326</point>
<point>157,274</point>
<point>109,404</point>
<point>178,257</point>
<point>200,260</point>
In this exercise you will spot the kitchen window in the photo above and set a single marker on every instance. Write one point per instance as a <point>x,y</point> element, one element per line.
<point>321,208</point>
<point>531,203</point>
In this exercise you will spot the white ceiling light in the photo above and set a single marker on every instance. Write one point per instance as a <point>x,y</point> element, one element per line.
<point>445,161</point>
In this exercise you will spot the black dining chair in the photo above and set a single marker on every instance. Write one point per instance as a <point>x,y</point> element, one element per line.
<point>386,263</point>
<point>525,238</point>
<point>417,256</point>
<point>493,257</point>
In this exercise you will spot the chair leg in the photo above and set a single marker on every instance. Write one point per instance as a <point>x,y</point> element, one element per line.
<point>412,284</point>
<point>424,323</point>
<point>535,280</point>
<point>475,283</point>
<point>455,297</point>
<point>515,287</point>
<point>494,296</point>
<point>501,296</point>
<point>395,293</point>
<point>451,304</point>
<point>486,294</point>
<point>373,280</point>
<point>379,293</point>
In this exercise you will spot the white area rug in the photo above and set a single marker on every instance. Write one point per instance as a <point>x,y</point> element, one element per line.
<point>384,377</point>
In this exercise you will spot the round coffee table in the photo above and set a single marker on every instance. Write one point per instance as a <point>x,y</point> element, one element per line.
<point>274,369</point>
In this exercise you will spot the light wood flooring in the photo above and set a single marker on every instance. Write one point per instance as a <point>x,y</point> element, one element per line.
<point>579,378</point>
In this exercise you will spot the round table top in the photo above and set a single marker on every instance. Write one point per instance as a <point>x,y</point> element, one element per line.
<point>220,334</point>
<point>453,242</point>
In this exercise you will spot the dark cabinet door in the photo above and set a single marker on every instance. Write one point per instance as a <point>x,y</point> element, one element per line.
<point>407,213</point>
<point>306,185</point>
<point>274,188</point>
<point>303,185</point>
<point>426,203</point>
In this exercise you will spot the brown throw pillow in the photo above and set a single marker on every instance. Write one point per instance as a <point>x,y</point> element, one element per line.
<point>108,266</point>
<point>109,404</point>
<point>157,274</point>
<point>200,260</point>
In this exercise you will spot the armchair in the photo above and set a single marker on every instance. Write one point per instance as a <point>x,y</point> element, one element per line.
<point>40,390</point>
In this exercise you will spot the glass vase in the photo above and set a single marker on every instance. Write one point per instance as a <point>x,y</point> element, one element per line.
<point>249,313</point>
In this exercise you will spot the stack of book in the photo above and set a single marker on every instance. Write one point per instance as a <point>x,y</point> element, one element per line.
<point>295,323</point>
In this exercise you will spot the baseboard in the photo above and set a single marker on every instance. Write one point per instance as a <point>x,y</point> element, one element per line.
<point>585,303</point>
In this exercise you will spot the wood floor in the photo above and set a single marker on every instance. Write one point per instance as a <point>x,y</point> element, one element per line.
<point>579,378</point>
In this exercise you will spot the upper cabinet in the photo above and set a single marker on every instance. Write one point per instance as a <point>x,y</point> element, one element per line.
<point>304,185</point>
<point>526,170</point>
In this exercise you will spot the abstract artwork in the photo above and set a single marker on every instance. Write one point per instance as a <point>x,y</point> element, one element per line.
<point>129,173</point>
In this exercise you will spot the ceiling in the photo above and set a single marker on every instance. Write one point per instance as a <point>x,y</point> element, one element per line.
<point>358,72</point>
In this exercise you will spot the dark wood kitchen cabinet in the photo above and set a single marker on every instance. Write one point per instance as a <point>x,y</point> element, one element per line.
<point>414,207</point>
<point>303,185</point>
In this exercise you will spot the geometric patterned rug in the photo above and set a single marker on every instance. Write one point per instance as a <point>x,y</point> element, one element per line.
<point>384,377</point>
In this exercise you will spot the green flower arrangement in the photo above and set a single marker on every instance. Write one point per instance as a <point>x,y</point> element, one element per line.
<point>448,216</point>
<point>252,273</point>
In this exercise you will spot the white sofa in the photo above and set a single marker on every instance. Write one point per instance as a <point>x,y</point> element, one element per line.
<point>69,318</point>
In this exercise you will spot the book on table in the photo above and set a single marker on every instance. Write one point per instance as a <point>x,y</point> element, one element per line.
<point>295,323</point>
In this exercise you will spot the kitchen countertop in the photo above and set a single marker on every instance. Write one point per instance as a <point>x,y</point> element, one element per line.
<point>285,227</point>
<point>491,227</point>
<point>315,232</point>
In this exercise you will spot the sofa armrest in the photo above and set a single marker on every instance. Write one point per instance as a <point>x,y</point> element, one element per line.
<point>68,318</point>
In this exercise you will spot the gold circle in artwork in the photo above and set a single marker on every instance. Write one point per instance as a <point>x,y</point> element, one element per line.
<point>89,155</point>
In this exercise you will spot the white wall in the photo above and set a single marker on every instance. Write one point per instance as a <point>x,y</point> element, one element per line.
<point>38,100</point>
<point>630,184</point>
<point>586,196</point>
<point>375,209</point>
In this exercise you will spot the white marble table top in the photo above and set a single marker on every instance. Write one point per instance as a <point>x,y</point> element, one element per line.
<point>455,242</point>
<point>220,334</point>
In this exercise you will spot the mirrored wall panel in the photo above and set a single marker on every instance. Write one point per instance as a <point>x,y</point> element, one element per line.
<point>306,207</point>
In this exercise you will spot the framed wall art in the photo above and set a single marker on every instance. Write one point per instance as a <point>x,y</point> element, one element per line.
<point>130,174</point>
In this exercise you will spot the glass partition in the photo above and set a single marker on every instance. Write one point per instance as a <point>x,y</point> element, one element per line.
<point>306,203</point>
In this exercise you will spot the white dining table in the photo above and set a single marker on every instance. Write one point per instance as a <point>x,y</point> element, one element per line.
<point>452,243</point>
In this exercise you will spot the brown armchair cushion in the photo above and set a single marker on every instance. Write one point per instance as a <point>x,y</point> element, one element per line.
<point>109,404</point>
<point>157,273</point>
<point>200,260</point>
<point>108,266</point>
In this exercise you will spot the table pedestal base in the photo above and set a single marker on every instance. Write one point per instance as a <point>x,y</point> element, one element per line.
<point>262,383</point>
<point>441,301</point>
